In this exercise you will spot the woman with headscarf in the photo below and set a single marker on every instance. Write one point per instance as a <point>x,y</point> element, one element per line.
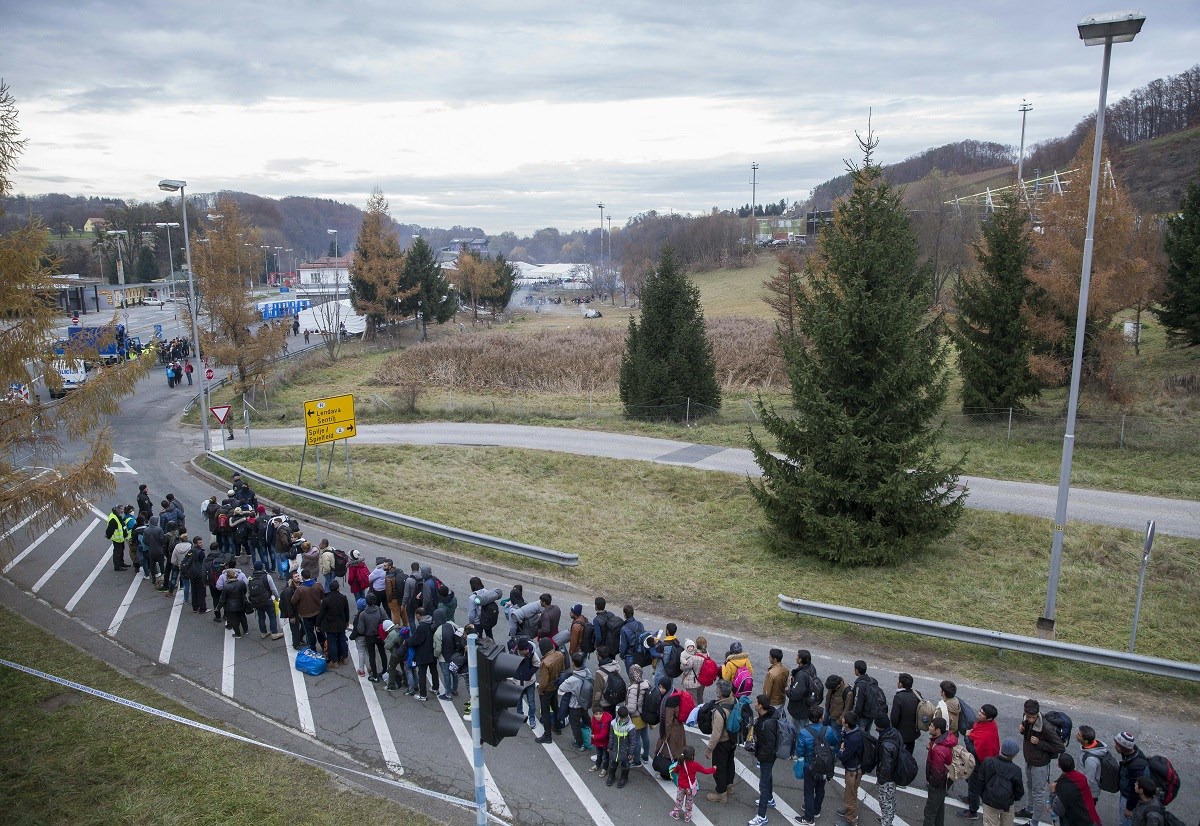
<point>636,696</point>
<point>690,664</point>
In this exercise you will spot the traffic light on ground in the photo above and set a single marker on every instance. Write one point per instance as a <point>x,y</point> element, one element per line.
<point>498,697</point>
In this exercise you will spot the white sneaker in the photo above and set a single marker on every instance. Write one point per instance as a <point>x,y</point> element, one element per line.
<point>758,821</point>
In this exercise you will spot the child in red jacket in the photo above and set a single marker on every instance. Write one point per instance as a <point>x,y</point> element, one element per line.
<point>600,725</point>
<point>686,771</point>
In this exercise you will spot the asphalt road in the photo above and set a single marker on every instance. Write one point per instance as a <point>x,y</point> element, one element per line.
<point>68,569</point>
<point>1177,517</point>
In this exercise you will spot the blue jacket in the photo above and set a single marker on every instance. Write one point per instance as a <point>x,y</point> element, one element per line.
<point>808,735</point>
<point>630,632</point>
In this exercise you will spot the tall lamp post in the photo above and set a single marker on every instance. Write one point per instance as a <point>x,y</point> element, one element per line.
<point>170,185</point>
<point>170,252</point>
<point>1095,30</point>
<point>118,234</point>
<point>601,205</point>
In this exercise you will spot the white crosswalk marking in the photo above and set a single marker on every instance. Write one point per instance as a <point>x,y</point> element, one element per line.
<point>382,733</point>
<point>697,815</point>
<point>33,546</point>
<point>227,662</point>
<point>23,523</point>
<point>123,608</point>
<point>37,586</point>
<point>106,559</point>
<point>496,802</point>
<point>864,798</point>
<point>781,806</point>
<point>299,687</point>
<point>575,783</point>
<point>168,645</point>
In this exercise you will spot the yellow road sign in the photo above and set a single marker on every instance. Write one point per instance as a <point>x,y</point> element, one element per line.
<point>328,420</point>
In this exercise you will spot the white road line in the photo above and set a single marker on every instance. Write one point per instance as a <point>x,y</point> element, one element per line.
<point>299,687</point>
<point>866,799</point>
<point>32,547</point>
<point>496,802</point>
<point>382,733</point>
<point>164,655</point>
<point>123,608</point>
<point>106,559</point>
<point>743,771</point>
<point>575,783</point>
<point>23,522</point>
<point>227,663</point>
<point>697,815</point>
<point>37,586</point>
<point>103,516</point>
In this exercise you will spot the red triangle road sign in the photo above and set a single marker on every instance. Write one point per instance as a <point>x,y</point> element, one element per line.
<point>220,412</point>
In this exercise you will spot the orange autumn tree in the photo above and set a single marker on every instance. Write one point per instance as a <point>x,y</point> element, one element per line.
<point>1052,307</point>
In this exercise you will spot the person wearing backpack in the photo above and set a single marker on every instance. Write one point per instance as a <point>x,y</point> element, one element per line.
<point>736,660</point>
<point>1071,799</point>
<point>949,708</point>
<point>326,562</point>
<point>421,641</point>
<point>232,586</point>
<point>631,633</point>
<point>636,694</point>
<point>1133,765</point>
<point>838,700</point>
<point>937,770</point>
<point>886,764</point>
<point>446,645</point>
<point>766,730</point>
<point>576,685</point>
<point>1040,746</point>
<point>483,607</point>
<point>689,671</point>
<point>669,653</point>
<point>580,637</point>
<point>547,686</point>
<point>1099,765</point>
<point>816,745</point>
<point>721,747</point>
<point>869,701</point>
<point>261,593</point>
<point>1148,811</point>
<point>775,683</point>
<point>1002,786</point>
<point>606,629</point>
<point>984,738</point>
<point>804,689</point>
<point>609,689</point>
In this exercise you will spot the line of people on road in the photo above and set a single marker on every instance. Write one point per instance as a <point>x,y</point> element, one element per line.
<point>404,625</point>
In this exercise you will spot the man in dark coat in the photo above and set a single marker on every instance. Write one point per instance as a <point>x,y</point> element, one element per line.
<point>421,642</point>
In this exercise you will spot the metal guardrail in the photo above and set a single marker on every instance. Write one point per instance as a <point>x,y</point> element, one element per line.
<point>506,546</point>
<point>995,639</point>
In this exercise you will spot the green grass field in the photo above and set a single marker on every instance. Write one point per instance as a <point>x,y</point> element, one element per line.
<point>690,543</point>
<point>71,758</point>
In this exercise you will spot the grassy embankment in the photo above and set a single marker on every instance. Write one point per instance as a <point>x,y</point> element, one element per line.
<point>689,544</point>
<point>73,758</point>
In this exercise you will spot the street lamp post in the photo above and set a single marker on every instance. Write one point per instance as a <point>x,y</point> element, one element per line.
<point>601,236</point>
<point>118,234</point>
<point>170,253</point>
<point>1096,30</point>
<point>169,185</point>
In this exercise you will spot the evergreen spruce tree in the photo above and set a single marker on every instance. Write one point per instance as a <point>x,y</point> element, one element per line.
<point>860,480</point>
<point>993,338</point>
<point>1180,312</point>
<point>428,291</point>
<point>668,369</point>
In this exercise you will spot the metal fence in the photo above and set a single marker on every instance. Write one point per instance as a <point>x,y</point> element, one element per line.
<point>995,639</point>
<point>506,546</point>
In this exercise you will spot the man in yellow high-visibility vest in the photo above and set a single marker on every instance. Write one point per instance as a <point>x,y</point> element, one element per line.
<point>115,532</point>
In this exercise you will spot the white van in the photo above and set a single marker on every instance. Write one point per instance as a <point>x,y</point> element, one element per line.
<point>74,375</point>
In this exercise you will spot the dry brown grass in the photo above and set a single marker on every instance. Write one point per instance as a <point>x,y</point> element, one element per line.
<point>574,360</point>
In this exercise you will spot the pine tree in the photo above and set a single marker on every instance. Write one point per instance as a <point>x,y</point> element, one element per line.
<point>668,369</point>
<point>1180,312</point>
<point>378,264</point>
<point>430,294</point>
<point>859,480</point>
<point>993,338</point>
<point>147,265</point>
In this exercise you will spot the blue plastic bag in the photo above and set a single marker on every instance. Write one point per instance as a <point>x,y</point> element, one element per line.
<point>798,768</point>
<point>282,566</point>
<point>310,662</point>
<point>586,732</point>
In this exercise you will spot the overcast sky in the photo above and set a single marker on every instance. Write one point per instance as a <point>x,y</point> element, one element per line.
<point>526,114</point>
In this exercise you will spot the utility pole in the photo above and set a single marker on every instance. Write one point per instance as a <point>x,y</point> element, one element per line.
<point>754,196</point>
<point>601,205</point>
<point>1024,110</point>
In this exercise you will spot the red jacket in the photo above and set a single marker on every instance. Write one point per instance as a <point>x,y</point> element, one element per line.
<point>357,576</point>
<point>600,727</point>
<point>941,755</point>
<point>986,738</point>
<point>687,772</point>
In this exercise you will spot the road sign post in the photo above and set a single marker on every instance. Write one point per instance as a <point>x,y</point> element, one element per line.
<point>221,413</point>
<point>329,420</point>
<point>208,373</point>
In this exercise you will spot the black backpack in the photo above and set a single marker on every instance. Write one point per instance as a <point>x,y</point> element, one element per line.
<point>588,642</point>
<point>671,665</point>
<point>341,561</point>
<point>704,718</point>
<point>906,768</point>
<point>822,759</point>
<point>612,634</point>
<point>870,753</point>
<point>1110,772</point>
<point>489,615</point>
<point>259,592</point>
<point>1062,725</point>
<point>876,703</point>
<point>614,689</point>
<point>192,564</point>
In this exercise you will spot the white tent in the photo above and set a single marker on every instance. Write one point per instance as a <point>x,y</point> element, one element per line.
<point>327,317</point>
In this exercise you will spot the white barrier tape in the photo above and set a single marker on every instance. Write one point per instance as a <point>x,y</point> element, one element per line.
<point>175,718</point>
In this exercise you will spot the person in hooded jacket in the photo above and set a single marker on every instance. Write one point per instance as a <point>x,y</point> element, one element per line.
<point>333,620</point>
<point>838,698</point>
<point>1002,785</point>
<point>447,601</point>
<point>1039,747</point>
<point>522,620</point>
<point>396,646</point>
<point>366,628</point>
<point>672,736</point>
<point>421,641</point>
<point>937,770</point>
<point>547,686</point>
<point>445,646</point>
<point>865,689</point>
<point>358,575</point>
<point>1094,752</point>
<point>801,681</point>
<point>480,597</point>
<point>1071,799</point>
<point>689,671</point>
<point>233,601</point>
<point>154,540</point>
<point>890,744</point>
<point>525,679</point>
<point>287,609</point>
